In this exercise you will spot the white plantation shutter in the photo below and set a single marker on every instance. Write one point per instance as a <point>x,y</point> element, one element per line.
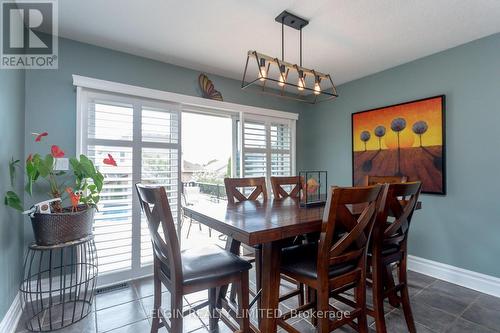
<point>267,147</point>
<point>143,138</point>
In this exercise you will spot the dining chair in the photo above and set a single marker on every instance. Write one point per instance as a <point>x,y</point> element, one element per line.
<point>290,187</point>
<point>293,183</point>
<point>257,186</point>
<point>188,271</point>
<point>373,180</point>
<point>389,247</point>
<point>336,263</point>
<point>235,189</point>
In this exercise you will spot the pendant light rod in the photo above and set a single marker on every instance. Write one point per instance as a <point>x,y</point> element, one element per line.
<point>283,39</point>
<point>300,46</point>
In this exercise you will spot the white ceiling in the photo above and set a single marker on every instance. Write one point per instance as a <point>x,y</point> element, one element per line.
<point>347,38</point>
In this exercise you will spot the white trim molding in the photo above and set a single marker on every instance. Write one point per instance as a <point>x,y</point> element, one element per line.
<point>192,102</point>
<point>480,282</point>
<point>11,318</point>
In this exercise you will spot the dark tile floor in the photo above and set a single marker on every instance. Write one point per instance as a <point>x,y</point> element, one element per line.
<point>438,306</point>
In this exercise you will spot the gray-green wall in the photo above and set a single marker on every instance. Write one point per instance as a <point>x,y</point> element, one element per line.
<point>462,228</point>
<point>51,96</point>
<point>12,145</point>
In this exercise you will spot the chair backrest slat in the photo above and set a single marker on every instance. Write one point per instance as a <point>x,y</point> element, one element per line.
<point>401,202</point>
<point>355,229</point>
<point>234,184</point>
<point>279,192</point>
<point>155,205</point>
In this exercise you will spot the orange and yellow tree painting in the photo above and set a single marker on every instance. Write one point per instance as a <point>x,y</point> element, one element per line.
<point>405,139</point>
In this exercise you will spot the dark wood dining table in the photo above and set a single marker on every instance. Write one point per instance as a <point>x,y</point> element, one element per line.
<point>267,224</point>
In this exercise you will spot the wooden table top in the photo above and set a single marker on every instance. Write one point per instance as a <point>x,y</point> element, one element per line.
<point>258,222</point>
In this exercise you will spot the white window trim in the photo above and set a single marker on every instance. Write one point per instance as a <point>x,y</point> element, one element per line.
<point>191,102</point>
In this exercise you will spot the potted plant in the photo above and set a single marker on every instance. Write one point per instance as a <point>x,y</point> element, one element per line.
<point>52,223</point>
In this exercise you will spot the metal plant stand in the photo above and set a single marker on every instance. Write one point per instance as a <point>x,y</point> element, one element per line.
<point>59,284</point>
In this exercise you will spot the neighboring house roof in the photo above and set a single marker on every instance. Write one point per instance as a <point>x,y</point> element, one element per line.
<point>191,167</point>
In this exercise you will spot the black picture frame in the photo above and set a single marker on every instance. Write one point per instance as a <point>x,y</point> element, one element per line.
<point>443,132</point>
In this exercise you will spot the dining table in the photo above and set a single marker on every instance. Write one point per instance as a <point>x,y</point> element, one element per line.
<point>267,224</point>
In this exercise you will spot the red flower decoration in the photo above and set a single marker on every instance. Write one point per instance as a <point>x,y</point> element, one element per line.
<point>56,151</point>
<point>40,136</point>
<point>109,161</point>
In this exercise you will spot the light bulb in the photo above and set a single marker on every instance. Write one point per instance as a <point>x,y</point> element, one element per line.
<point>281,82</point>
<point>262,70</point>
<point>301,83</point>
<point>263,73</point>
<point>317,88</point>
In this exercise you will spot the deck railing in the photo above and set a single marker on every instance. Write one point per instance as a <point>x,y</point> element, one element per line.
<point>214,192</point>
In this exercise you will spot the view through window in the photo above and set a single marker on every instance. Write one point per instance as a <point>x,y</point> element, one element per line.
<point>207,144</point>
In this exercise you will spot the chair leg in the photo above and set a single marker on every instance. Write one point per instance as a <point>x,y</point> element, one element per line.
<point>360,297</point>
<point>199,226</point>
<point>210,232</point>
<point>389,280</point>
<point>212,307</point>
<point>378,295</point>
<point>300,287</point>
<point>258,278</point>
<point>322,307</point>
<point>155,321</point>
<point>176,317</point>
<point>311,298</point>
<point>243,292</point>
<point>189,228</point>
<point>405,297</point>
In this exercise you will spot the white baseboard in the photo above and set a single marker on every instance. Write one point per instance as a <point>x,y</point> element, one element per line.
<point>480,282</point>
<point>11,318</point>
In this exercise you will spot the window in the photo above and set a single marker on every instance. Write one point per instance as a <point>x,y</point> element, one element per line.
<point>267,148</point>
<point>141,128</point>
<point>143,137</point>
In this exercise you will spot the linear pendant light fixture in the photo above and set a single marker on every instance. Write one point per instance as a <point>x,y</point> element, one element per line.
<point>273,76</point>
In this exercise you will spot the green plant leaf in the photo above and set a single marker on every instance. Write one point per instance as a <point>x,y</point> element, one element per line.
<point>87,166</point>
<point>12,200</point>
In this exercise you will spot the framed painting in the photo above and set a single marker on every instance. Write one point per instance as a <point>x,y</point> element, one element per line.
<point>406,139</point>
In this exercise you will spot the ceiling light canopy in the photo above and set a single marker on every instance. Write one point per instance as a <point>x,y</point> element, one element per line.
<point>273,76</point>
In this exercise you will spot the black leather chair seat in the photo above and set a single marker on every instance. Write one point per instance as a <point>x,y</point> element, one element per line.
<point>200,265</point>
<point>387,250</point>
<point>302,260</point>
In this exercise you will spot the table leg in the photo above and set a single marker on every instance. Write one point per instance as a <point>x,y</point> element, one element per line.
<point>271,253</point>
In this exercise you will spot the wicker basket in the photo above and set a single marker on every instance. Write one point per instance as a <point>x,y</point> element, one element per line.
<point>57,228</point>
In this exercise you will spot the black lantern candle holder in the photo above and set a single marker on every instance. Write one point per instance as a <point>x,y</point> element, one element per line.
<point>314,188</point>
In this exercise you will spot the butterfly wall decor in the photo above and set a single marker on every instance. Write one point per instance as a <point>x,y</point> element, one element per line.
<point>208,89</point>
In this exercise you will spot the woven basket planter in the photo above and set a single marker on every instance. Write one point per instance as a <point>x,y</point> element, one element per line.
<point>57,228</point>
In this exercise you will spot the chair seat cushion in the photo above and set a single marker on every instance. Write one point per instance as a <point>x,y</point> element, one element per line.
<point>200,265</point>
<point>388,249</point>
<point>302,260</point>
